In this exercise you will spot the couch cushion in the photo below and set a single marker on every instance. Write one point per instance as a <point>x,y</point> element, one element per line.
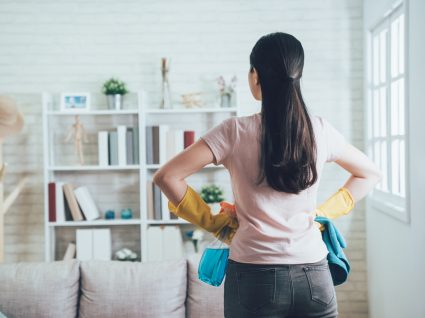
<point>203,300</point>
<point>39,289</point>
<point>125,289</point>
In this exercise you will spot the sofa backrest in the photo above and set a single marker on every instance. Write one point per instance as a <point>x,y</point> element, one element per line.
<point>39,289</point>
<point>123,289</point>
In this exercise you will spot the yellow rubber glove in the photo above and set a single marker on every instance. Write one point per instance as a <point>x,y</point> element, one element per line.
<point>340,203</point>
<point>195,210</point>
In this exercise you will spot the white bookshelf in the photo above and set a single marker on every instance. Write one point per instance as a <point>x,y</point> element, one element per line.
<point>135,114</point>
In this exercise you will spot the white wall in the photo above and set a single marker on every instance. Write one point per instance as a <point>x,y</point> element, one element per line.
<point>75,45</point>
<point>395,253</point>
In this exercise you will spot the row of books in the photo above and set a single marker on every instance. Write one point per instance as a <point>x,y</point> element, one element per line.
<point>163,143</point>
<point>119,147</point>
<point>69,204</point>
<point>90,244</point>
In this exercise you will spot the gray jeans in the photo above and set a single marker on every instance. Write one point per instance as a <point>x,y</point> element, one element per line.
<point>279,290</point>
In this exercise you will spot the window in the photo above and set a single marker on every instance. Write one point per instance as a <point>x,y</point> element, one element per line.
<point>386,111</point>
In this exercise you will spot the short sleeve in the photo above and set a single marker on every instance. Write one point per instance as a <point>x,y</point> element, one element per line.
<point>335,141</point>
<point>221,139</point>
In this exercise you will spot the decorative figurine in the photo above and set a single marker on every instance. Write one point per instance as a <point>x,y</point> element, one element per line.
<point>227,87</point>
<point>110,215</point>
<point>166,92</point>
<point>77,130</point>
<point>126,214</point>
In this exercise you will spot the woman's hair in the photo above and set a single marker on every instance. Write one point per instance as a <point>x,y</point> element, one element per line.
<point>288,146</point>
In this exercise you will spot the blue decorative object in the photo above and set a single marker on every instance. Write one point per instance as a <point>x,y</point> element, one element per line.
<point>126,214</point>
<point>110,215</point>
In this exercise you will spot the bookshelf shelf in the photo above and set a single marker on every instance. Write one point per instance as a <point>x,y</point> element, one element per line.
<point>160,222</point>
<point>191,110</point>
<point>96,223</point>
<point>94,112</point>
<point>157,166</point>
<point>116,187</point>
<point>93,168</point>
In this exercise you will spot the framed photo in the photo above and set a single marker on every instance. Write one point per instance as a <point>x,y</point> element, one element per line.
<point>75,101</point>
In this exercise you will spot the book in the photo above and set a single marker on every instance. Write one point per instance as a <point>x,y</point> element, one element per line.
<point>155,144</point>
<point>163,131</point>
<point>122,143</point>
<point>52,201</point>
<point>165,212</point>
<point>149,199</point>
<point>136,149</point>
<point>87,204</point>
<point>154,242</point>
<point>70,252</point>
<point>149,145</point>
<point>60,202</point>
<point>172,243</point>
<point>84,244</point>
<point>175,143</point>
<point>113,148</point>
<point>101,244</point>
<point>189,138</point>
<point>68,189</point>
<point>157,202</point>
<point>129,146</point>
<point>103,149</point>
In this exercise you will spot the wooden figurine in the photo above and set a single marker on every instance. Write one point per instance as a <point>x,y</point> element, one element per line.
<point>77,130</point>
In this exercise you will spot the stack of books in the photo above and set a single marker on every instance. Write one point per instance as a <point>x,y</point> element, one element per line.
<point>119,147</point>
<point>164,243</point>
<point>69,204</point>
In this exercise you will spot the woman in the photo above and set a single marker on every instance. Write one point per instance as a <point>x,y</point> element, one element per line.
<point>277,262</point>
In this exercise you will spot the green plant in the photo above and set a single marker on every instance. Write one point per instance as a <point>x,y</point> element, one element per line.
<point>114,86</point>
<point>211,194</point>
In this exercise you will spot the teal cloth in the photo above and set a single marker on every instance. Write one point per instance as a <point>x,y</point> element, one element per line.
<point>335,242</point>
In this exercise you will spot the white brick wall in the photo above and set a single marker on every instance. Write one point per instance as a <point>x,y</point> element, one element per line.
<point>76,45</point>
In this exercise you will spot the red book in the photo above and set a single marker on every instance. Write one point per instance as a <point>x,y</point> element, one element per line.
<point>189,138</point>
<point>52,202</point>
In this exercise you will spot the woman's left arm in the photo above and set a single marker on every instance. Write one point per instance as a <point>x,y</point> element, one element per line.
<point>170,177</point>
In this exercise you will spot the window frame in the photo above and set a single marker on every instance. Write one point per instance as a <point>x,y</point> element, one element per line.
<point>388,202</point>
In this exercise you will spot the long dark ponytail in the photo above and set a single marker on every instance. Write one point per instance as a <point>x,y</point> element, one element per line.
<point>288,146</point>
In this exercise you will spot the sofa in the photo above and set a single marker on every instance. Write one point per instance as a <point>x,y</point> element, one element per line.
<point>94,288</point>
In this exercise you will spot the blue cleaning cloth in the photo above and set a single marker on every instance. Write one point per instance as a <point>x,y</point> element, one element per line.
<point>338,262</point>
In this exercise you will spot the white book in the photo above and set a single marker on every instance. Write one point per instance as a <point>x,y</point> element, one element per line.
<point>172,243</point>
<point>84,244</point>
<point>171,151</point>
<point>103,151</point>
<point>87,204</point>
<point>122,145</point>
<point>179,140</point>
<point>163,129</point>
<point>154,243</point>
<point>102,244</point>
<point>70,252</point>
<point>164,207</point>
<point>60,202</point>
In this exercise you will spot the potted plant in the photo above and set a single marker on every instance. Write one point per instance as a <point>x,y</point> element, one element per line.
<point>115,90</point>
<point>212,195</point>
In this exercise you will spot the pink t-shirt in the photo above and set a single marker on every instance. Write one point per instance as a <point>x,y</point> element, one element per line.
<point>274,227</point>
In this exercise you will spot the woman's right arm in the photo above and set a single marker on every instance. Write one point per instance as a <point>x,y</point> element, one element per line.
<point>365,174</point>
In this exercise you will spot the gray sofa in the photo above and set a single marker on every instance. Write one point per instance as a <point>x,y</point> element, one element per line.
<point>108,289</point>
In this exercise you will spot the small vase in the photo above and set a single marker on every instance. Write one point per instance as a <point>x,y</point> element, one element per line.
<point>225,100</point>
<point>115,101</point>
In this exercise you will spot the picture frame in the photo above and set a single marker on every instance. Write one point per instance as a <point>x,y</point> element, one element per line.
<point>77,102</point>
